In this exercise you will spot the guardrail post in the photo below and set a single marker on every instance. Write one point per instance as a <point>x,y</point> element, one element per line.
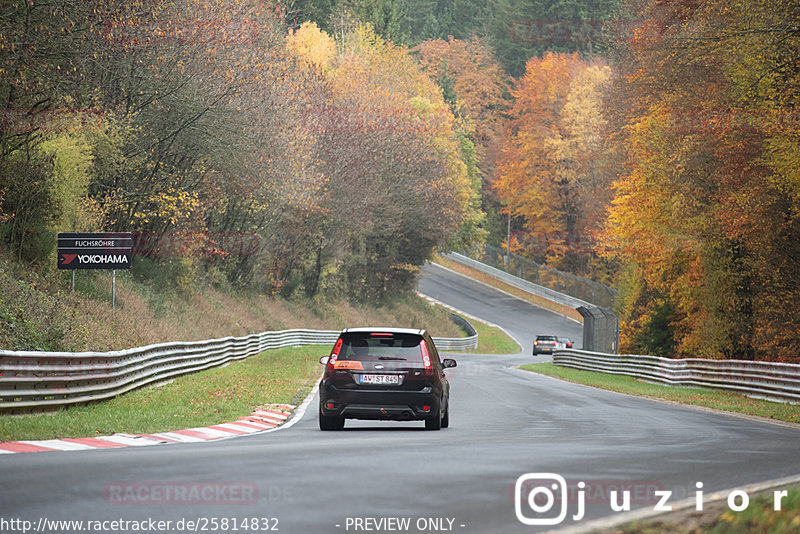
<point>600,330</point>
<point>588,328</point>
<point>612,331</point>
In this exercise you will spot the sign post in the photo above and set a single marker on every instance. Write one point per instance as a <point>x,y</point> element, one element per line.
<point>104,250</point>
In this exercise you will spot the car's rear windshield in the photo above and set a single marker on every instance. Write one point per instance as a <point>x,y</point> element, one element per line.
<point>383,347</point>
<point>546,338</point>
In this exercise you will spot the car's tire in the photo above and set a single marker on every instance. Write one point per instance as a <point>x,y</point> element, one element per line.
<point>331,422</point>
<point>446,417</point>
<point>434,422</point>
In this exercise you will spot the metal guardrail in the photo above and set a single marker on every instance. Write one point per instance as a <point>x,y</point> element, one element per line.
<point>600,325</point>
<point>576,286</point>
<point>456,344</point>
<point>46,380</point>
<point>600,329</point>
<point>762,380</point>
<point>519,283</point>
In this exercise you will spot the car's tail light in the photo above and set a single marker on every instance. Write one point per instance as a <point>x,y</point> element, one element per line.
<point>426,357</point>
<point>535,342</point>
<point>334,354</point>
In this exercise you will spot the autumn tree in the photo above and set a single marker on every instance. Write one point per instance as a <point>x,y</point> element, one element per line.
<point>583,170</point>
<point>41,48</point>
<point>551,172</point>
<point>397,187</point>
<point>474,84</point>
<point>705,213</point>
<point>516,29</point>
<point>195,120</point>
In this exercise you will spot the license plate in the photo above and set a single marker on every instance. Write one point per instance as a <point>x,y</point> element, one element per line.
<point>391,380</point>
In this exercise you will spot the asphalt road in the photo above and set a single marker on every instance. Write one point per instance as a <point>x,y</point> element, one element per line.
<point>519,318</point>
<point>504,423</point>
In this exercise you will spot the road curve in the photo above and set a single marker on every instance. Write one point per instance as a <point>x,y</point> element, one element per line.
<point>518,317</point>
<point>504,423</point>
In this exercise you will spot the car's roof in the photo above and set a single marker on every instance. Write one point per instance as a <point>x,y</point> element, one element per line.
<point>387,329</point>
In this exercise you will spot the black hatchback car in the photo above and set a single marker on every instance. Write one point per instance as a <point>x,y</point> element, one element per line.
<point>384,374</point>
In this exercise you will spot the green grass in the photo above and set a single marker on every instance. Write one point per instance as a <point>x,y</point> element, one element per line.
<point>492,340</point>
<point>206,398</point>
<point>202,399</point>
<point>719,400</point>
<point>38,310</point>
<point>760,516</point>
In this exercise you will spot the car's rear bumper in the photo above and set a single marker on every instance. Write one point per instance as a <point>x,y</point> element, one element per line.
<point>376,404</point>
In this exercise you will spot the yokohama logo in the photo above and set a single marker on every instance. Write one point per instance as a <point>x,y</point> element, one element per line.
<point>67,258</point>
<point>102,258</point>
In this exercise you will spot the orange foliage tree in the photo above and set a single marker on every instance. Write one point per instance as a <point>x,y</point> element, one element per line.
<point>706,212</point>
<point>474,84</point>
<point>551,171</point>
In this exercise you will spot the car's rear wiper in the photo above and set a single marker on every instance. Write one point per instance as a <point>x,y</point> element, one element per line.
<point>392,358</point>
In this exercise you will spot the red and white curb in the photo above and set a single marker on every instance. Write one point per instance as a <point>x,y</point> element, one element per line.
<point>264,418</point>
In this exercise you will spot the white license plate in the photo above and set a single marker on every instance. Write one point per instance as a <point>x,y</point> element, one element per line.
<point>392,380</point>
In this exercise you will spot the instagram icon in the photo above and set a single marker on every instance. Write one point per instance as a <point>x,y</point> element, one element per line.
<point>540,491</point>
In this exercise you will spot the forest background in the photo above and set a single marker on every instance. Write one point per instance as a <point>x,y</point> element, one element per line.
<point>325,149</point>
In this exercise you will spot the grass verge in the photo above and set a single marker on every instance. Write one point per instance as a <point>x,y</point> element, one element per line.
<point>210,397</point>
<point>492,340</point>
<point>718,400</point>
<point>716,518</point>
<point>207,398</point>
<point>494,282</point>
<point>38,311</point>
